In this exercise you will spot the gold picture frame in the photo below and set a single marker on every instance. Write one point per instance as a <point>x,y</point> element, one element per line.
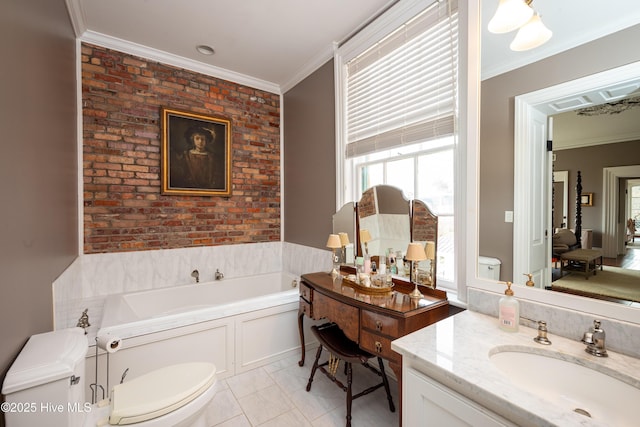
<point>195,154</point>
<point>586,199</point>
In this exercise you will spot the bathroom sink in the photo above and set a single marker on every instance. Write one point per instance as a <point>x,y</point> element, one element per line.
<point>564,382</point>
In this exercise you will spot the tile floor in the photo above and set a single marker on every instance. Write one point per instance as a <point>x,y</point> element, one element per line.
<point>275,395</point>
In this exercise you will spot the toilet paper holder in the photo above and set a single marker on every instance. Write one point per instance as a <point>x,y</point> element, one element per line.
<point>110,344</point>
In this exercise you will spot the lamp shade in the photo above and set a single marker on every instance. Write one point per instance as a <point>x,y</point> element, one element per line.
<point>430,250</point>
<point>510,15</point>
<point>532,34</point>
<point>415,252</point>
<point>334,241</point>
<point>344,239</point>
<point>365,236</point>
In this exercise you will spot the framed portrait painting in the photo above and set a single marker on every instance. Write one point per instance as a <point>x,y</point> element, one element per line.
<point>195,154</point>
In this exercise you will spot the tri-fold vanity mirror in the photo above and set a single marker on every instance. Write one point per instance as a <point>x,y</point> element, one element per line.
<point>382,224</point>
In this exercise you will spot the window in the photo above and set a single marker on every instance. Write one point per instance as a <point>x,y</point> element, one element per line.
<point>397,104</point>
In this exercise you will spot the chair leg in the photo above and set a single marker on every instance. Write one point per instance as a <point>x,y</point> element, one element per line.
<point>385,381</point>
<point>349,395</point>
<point>315,366</point>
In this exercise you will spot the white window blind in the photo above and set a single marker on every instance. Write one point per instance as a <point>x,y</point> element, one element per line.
<point>403,89</point>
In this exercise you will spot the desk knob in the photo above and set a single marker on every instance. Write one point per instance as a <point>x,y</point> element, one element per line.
<point>378,326</point>
<point>378,345</point>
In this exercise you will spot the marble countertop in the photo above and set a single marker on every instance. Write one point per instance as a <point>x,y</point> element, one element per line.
<point>456,352</point>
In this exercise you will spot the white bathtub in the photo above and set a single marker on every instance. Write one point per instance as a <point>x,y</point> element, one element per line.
<point>135,313</point>
<point>238,324</point>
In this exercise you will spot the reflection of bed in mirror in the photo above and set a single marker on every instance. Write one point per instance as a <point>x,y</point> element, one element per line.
<point>581,269</point>
<point>392,222</point>
<point>569,249</point>
<point>565,239</point>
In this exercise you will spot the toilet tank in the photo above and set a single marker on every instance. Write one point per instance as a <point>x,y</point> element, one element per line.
<point>45,384</point>
<point>489,268</point>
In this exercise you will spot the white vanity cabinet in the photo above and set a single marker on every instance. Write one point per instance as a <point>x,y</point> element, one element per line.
<point>426,402</point>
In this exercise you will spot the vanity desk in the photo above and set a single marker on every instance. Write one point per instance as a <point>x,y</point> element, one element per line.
<point>373,321</point>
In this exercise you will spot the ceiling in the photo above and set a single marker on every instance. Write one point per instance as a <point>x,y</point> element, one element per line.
<point>267,44</point>
<point>573,22</point>
<point>272,45</point>
<point>606,122</point>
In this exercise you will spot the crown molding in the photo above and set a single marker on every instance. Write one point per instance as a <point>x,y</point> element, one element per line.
<point>599,140</point>
<point>308,68</point>
<point>76,15</point>
<point>177,61</point>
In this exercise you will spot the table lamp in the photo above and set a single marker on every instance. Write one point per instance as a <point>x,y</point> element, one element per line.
<point>415,253</point>
<point>344,241</point>
<point>365,237</point>
<point>430,251</point>
<point>333,243</point>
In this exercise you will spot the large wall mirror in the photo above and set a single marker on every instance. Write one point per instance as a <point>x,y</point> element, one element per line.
<point>599,146</point>
<point>383,222</point>
<point>529,103</point>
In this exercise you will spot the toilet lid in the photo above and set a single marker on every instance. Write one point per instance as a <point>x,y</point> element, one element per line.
<point>159,392</point>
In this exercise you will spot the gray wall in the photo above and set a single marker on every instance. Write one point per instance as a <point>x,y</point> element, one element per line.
<point>38,165</point>
<point>496,128</point>
<point>309,159</point>
<point>590,161</point>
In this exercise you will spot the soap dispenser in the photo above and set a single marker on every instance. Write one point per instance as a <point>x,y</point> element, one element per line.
<point>509,311</point>
<point>530,282</point>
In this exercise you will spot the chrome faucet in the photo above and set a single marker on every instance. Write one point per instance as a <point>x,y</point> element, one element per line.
<point>196,275</point>
<point>219,275</point>
<point>542,333</point>
<point>541,338</point>
<point>594,338</point>
<point>83,321</point>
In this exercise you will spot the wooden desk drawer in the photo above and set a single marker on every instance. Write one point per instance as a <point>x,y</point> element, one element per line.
<point>380,323</point>
<point>378,346</point>
<point>306,292</point>
<point>306,308</point>
<point>345,316</point>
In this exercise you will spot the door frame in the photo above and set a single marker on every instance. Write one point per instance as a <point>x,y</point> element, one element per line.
<point>539,100</point>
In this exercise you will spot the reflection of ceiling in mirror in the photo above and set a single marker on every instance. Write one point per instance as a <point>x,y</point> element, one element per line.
<point>610,107</point>
<point>571,130</point>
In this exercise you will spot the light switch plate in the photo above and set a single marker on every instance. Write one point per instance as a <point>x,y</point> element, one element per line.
<point>508,216</point>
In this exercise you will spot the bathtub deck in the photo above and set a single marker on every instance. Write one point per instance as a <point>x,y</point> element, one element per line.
<point>274,395</point>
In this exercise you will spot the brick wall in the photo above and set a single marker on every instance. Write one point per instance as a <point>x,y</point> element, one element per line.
<point>123,209</point>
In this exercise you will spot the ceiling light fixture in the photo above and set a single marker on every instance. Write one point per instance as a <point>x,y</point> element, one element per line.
<point>531,35</point>
<point>205,50</point>
<point>514,14</point>
<point>510,15</point>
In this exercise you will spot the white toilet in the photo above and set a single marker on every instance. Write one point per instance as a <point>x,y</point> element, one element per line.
<point>45,387</point>
<point>489,268</point>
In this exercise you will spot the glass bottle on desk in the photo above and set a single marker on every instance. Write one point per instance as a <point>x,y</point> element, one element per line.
<point>393,268</point>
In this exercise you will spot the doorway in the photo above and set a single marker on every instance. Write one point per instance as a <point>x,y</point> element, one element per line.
<point>528,110</point>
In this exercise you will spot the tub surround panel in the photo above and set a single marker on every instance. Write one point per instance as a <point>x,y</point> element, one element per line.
<point>455,352</point>
<point>92,277</point>
<point>622,337</point>
<point>299,259</point>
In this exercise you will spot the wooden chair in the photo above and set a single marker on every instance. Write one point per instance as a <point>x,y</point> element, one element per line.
<point>342,348</point>
<point>631,230</point>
